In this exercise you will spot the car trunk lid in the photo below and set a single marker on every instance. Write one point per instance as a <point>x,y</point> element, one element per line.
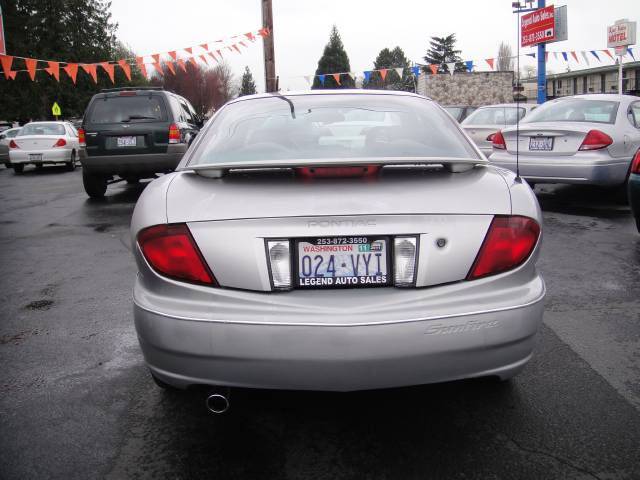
<point>549,139</point>
<point>30,143</point>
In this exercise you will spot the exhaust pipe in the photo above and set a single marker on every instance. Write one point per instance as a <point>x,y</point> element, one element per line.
<point>217,401</point>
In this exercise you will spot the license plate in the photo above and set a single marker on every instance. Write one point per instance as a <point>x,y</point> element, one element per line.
<point>541,143</point>
<point>126,141</point>
<point>35,157</point>
<point>335,262</point>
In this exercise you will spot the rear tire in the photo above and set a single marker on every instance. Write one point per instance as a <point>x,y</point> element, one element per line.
<point>94,185</point>
<point>71,166</point>
<point>18,168</point>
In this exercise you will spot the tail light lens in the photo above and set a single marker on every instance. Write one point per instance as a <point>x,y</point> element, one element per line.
<point>60,143</point>
<point>81,138</point>
<point>509,242</point>
<point>172,251</point>
<point>497,140</point>
<point>280,263</point>
<point>334,172</point>
<point>13,144</point>
<point>404,250</point>
<point>635,163</point>
<point>595,140</point>
<point>174,133</point>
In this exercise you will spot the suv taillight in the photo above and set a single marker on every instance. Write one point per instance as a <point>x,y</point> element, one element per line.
<point>509,242</point>
<point>497,140</point>
<point>60,143</point>
<point>172,251</point>
<point>81,137</point>
<point>635,163</point>
<point>595,140</point>
<point>174,133</point>
<point>13,144</point>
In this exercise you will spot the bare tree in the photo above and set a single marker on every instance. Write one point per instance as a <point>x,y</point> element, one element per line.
<point>505,58</point>
<point>529,71</point>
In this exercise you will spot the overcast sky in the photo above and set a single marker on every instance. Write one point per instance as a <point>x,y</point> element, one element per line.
<point>301,29</point>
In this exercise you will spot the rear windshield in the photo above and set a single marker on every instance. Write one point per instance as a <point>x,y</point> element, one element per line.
<point>455,112</point>
<point>328,127</point>
<point>495,116</point>
<point>42,129</point>
<point>575,110</point>
<point>139,108</point>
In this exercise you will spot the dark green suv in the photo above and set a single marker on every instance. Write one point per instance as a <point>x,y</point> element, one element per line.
<point>133,133</point>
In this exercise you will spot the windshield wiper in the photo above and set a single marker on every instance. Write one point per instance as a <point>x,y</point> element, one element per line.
<point>138,117</point>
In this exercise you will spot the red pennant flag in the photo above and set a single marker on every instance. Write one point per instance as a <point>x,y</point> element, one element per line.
<point>31,67</point>
<point>12,74</point>
<point>190,50</point>
<point>434,68</point>
<point>126,68</point>
<point>173,54</point>
<point>205,46</point>
<point>142,66</point>
<point>575,57</point>
<point>156,57</point>
<point>235,46</point>
<point>263,32</point>
<point>490,62</point>
<point>110,69</point>
<point>202,57</point>
<point>171,67</point>
<point>182,65</point>
<point>193,62</point>
<point>6,61</point>
<point>383,73</point>
<point>54,70</point>
<point>250,36</point>
<point>91,69</point>
<point>72,70</point>
<point>608,53</point>
<point>213,56</point>
<point>336,77</point>
<point>158,68</point>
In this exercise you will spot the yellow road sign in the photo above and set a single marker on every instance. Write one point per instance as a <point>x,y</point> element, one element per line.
<point>55,109</point>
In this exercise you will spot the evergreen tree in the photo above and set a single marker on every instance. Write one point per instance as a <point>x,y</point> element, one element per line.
<point>391,59</point>
<point>248,86</point>
<point>334,60</point>
<point>443,51</point>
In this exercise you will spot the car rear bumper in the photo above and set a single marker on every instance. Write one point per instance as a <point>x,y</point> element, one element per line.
<point>634,195</point>
<point>139,165</point>
<point>593,168</point>
<point>247,348</point>
<point>60,155</point>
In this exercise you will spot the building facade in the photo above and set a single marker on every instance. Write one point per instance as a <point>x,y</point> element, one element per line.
<point>476,88</point>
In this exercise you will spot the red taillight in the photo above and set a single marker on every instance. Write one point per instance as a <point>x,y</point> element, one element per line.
<point>635,163</point>
<point>171,250</point>
<point>595,140</point>
<point>490,137</point>
<point>497,140</point>
<point>60,143</point>
<point>13,144</point>
<point>333,172</point>
<point>174,133</point>
<point>81,137</point>
<point>509,242</point>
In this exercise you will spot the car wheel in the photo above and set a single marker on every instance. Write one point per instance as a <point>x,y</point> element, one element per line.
<point>94,185</point>
<point>39,166</point>
<point>161,384</point>
<point>18,168</point>
<point>71,166</point>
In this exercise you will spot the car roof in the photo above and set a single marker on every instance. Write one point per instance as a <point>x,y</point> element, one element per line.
<point>602,96</point>
<point>521,104</point>
<point>339,91</point>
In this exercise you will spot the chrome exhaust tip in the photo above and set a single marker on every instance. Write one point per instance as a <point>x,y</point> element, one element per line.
<point>217,402</point>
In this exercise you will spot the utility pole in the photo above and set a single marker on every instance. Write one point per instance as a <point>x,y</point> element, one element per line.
<point>542,66</point>
<point>270,80</point>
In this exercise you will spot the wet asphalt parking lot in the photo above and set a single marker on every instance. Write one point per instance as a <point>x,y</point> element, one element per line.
<point>77,402</point>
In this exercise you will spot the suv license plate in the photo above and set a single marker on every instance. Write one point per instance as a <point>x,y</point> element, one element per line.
<point>338,262</point>
<point>544,144</point>
<point>126,141</point>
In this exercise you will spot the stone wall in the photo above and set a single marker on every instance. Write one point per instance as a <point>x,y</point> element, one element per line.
<point>476,88</point>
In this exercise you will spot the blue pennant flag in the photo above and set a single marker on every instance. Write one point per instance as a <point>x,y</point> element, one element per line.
<point>631,53</point>
<point>416,69</point>
<point>469,64</point>
<point>593,52</point>
<point>367,76</point>
<point>321,78</point>
<point>564,55</point>
<point>532,55</point>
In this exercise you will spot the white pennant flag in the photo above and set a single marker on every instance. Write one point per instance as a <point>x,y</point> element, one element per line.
<point>451,66</point>
<point>555,55</point>
<point>584,55</point>
<point>309,79</point>
<point>352,75</point>
<point>399,71</point>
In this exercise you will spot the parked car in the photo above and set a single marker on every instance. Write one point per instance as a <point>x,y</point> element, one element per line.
<point>5,126</point>
<point>487,120</point>
<point>286,254</point>
<point>634,188</point>
<point>584,139</point>
<point>5,138</point>
<point>44,143</point>
<point>460,112</point>
<point>134,133</point>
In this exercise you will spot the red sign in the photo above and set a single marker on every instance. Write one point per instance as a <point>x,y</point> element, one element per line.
<point>538,27</point>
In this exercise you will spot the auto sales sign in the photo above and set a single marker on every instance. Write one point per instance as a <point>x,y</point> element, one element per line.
<point>538,27</point>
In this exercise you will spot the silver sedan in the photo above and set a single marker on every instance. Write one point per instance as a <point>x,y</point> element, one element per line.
<point>293,249</point>
<point>585,139</point>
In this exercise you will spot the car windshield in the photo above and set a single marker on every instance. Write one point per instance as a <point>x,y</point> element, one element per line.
<point>575,110</point>
<point>327,127</point>
<point>42,129</point>
<point>495,116</point>
<point>139,108</point>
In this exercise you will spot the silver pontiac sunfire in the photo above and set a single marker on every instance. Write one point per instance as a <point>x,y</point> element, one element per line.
<point>335,240</point>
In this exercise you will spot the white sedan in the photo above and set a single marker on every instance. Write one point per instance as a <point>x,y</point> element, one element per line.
<point>41,143</point>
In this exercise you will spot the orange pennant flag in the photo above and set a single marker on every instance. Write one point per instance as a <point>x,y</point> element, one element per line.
<point>31,67</point>
<point>12,74</point>
<point>250,36</point>
<point>434,69</point>
<point>336,77</point>
<point>91,70</point>
<point>490,62</point>
<point>6,61</point>
<point>243,44</point>
<point>189,50</point>
<point>263,32</point>
<point>193,62</point>
<point>158,68</point>
<point>110,69</point>
<point>126,68</point>
<point>608,53</point>
<point>72,71</point>
<point>213,56</point>
<point>173,54</point>
<point>182,65</point>
<point>156,57</point>
<point>383,73</point>
<point>219,52</point>
<point>575,57</point>
<point>171,67</point>
<point>235,46</point>
<point>54,70</point>
<point>205,46</point>
<point>202,57</point>
<point>142,66</point>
